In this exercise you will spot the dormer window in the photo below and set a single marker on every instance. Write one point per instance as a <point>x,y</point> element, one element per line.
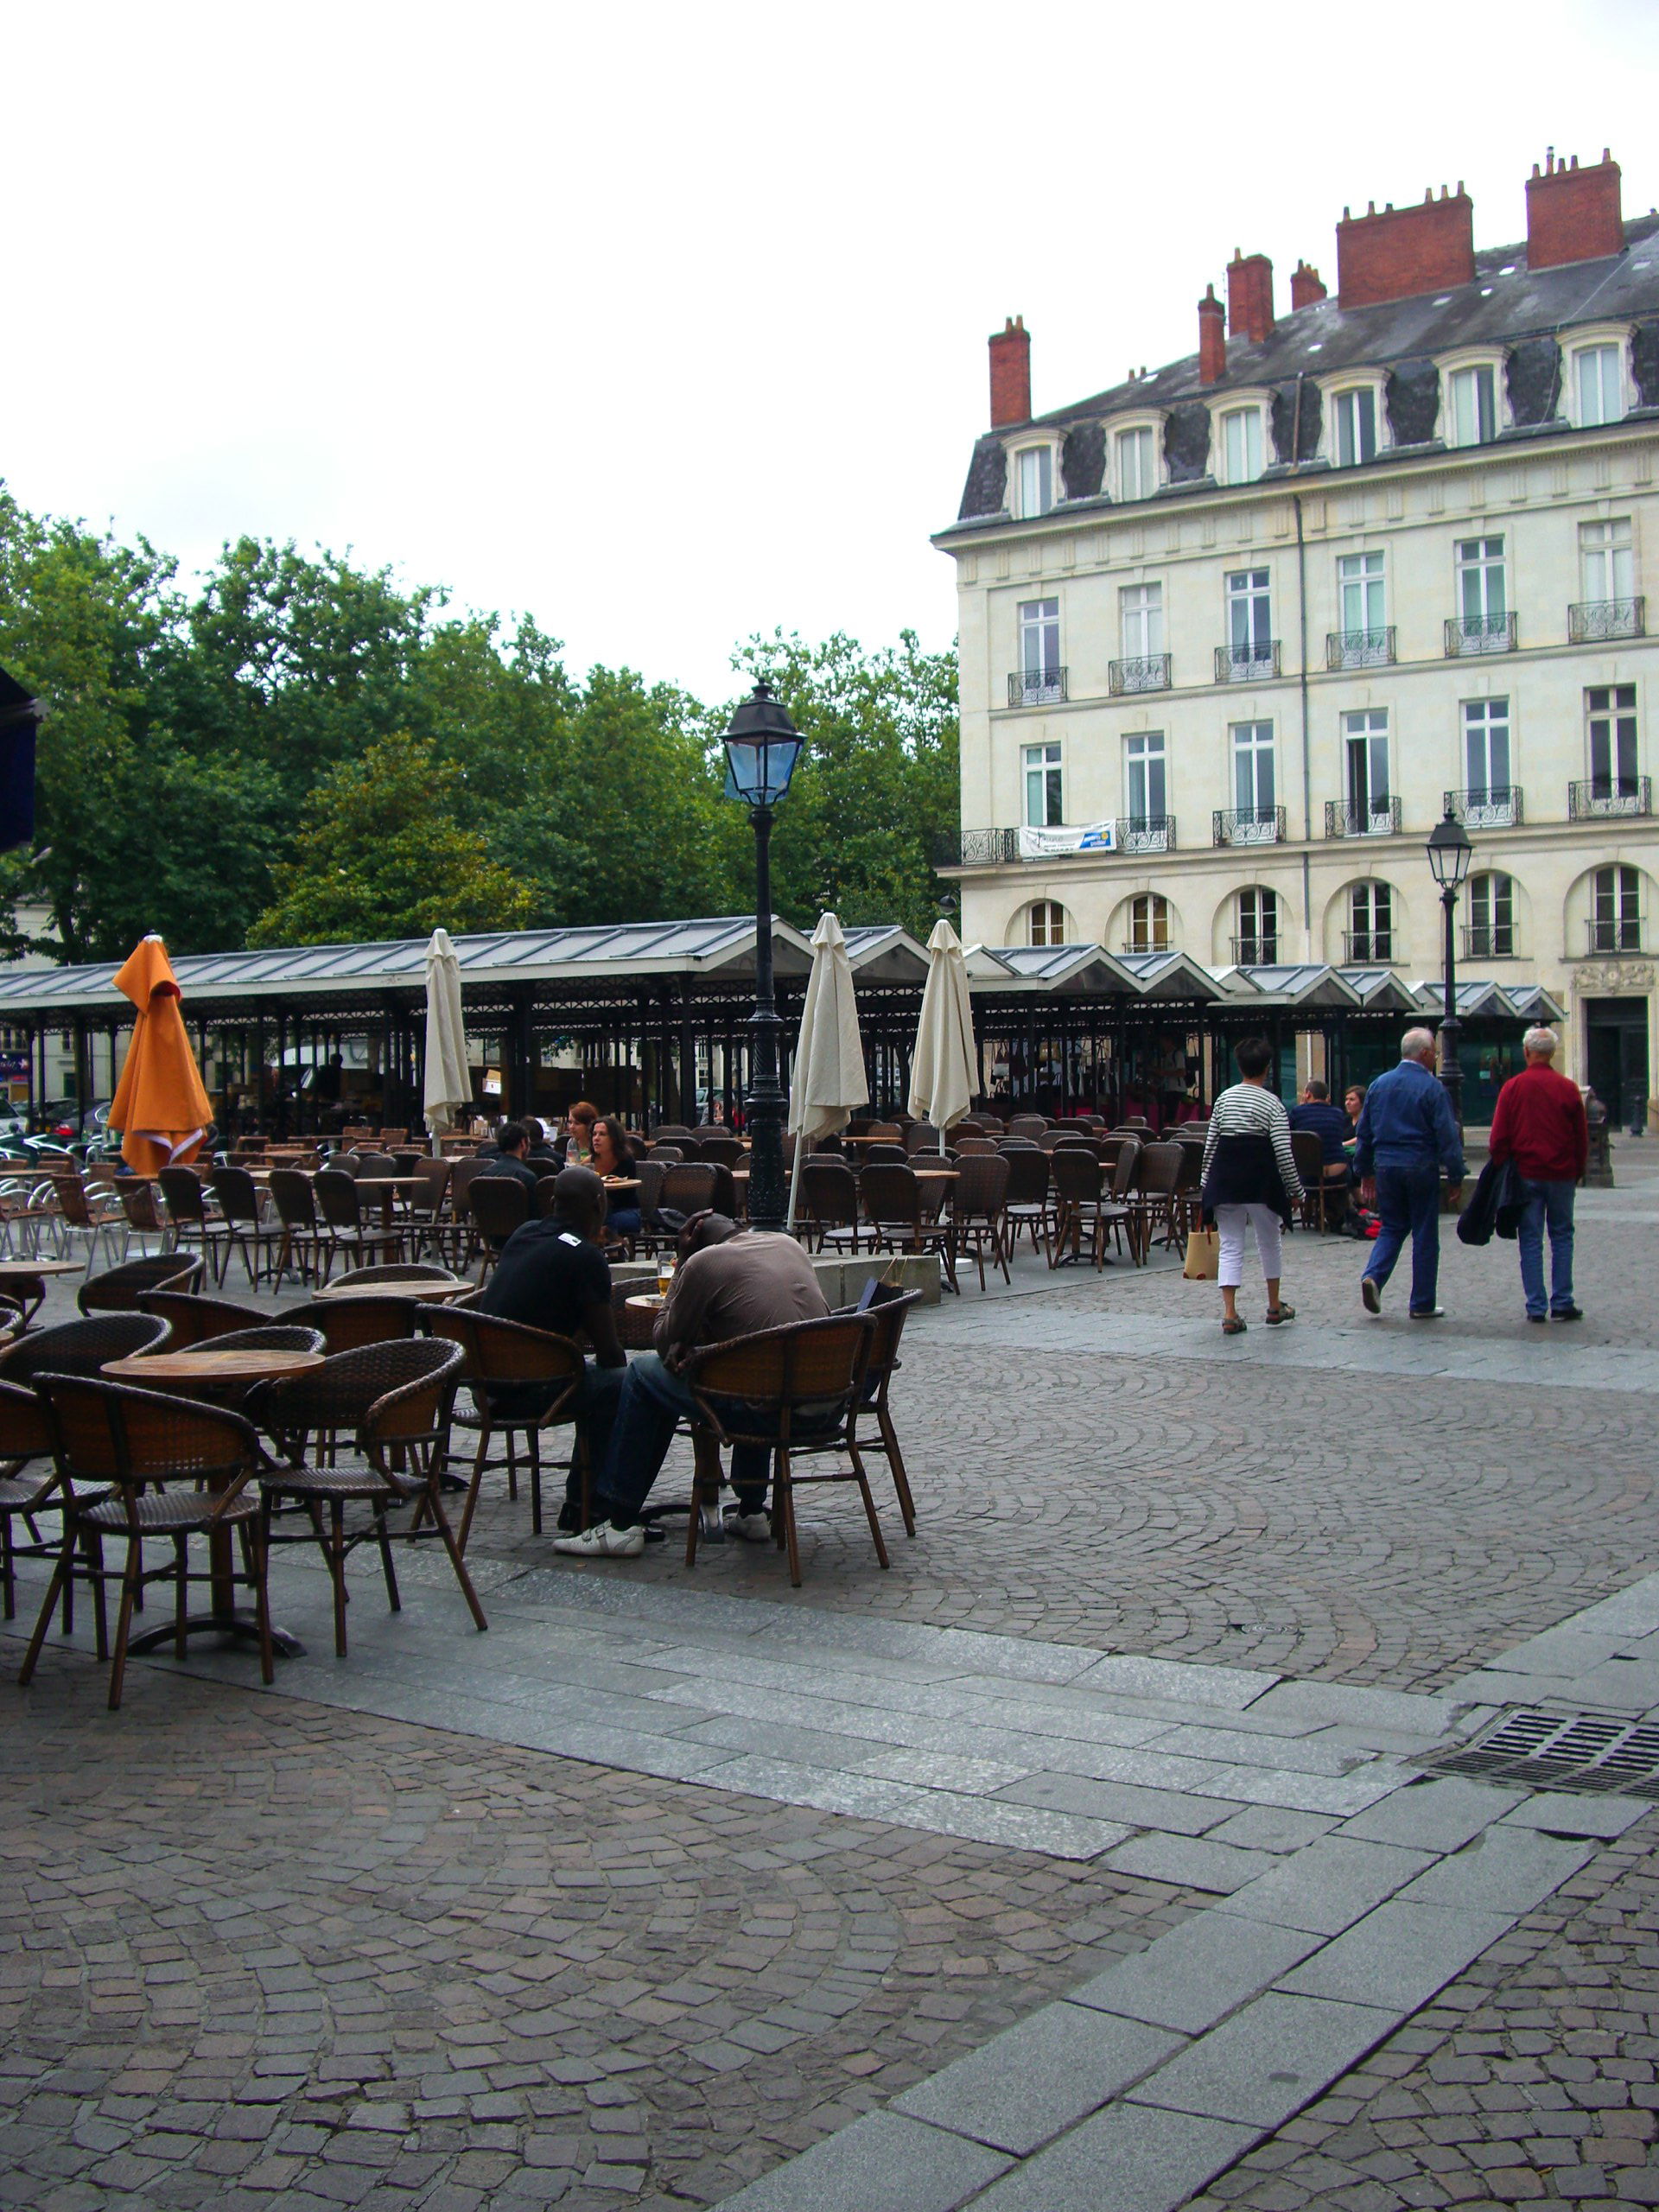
<point>1599,384</point>
<point>1241,445</point>
<point>1136,455</point>
<point>1471,405</point>
<point>1353,417</point>
<point>1034,475</point>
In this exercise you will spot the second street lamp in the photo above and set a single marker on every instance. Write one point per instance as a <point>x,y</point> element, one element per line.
<point>762,746</point>
<point>1449,854</point>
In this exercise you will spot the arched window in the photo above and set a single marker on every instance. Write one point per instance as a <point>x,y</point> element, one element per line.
<point>1490,934</point>
<point>1046,922</point>
<point>1148,924</point>
<point>1256,945</point>
<point>1616,914</point>
<point>1369,936</point>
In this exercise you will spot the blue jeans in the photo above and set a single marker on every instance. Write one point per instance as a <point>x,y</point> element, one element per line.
<point>1550,1203</point>
<point>653,1400</point>
<point>598,1395</point>
<point>1409,1199</point>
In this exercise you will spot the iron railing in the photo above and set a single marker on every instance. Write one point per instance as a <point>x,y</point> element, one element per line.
<point>1600,796</point>
<point>1260,949</point>
<point>1146,833</point>
<point>1489,940</point>
<point>1037,687</point>
<point>1380,819</point>
<point>1497,807</point>
<point>1590,621</point>
<point>1479,634</point>
<point>1129,945</point>
<point>1622,934</point>
<point>1359,648</point>
<point>1248,825</point>
<point>1149,673</point>
<point>1368,947</point>
<point>1247,663</point>
<point>977,849</point>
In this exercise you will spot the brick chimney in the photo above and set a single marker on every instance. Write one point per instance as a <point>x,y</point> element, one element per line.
<point>1405,251</point>
<point>1250,296</point>
<point>1572,214</point>
<point>1010,373</point>
<point>1212,343</point>
<point>1306,286</point>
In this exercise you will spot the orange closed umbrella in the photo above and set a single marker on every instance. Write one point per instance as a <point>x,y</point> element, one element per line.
<point>160,1106</point>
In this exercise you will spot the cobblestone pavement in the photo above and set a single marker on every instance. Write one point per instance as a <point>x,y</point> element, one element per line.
<point>1531,2079</point>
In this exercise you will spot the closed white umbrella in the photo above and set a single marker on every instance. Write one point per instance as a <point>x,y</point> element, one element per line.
<point>829,1083</point>
<point>943,1070</point>
<point>448,1091</point>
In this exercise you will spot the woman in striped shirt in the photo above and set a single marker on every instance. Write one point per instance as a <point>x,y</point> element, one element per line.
<point>1249,1176</point>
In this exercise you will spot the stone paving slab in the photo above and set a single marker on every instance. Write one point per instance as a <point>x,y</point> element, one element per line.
<point>1130,2158</point>
<point>1029,2083</point>
<point>1197,1973</point>
<point>881,2164</point>
<point>1398,1956</point>
<point>1269,2060</point>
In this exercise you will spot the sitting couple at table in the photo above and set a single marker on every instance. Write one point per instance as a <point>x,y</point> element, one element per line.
<point>730,1282</point>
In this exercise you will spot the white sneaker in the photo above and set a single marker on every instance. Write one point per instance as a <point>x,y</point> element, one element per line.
<point>603,1542</point>
<point>753,1527</point>
<point>1427,1313</point>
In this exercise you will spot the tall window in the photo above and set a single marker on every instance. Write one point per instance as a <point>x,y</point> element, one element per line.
<point>1483,592</point>
<point>1148,924</point>
<point>1249,615</point>
<point>1045,801</point>
<point>1359,586</point>
<point>1040,641</point>
<point>1137,465</point>
<point>1144,776</point>
<point>1616,916</point>
<point>1486,751</point>
<point>1598,386</point>
<point>1047,923</point>
<point>1355,420</point>
<point>1611,717</point>
<point>1142,609</point>
<point>1241,444</point>
<point>1257,943</point>
<point>1036,479</point>
<point>1606,560</point>
<point>1365,743</point>
<point>1492,916</point>
<point>1370,922</point>
<point>1474,407</point>
<point>1253,793</point>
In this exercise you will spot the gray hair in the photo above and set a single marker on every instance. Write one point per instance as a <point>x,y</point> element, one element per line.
<point>1539,1041</point>
<point>1416,1044</point>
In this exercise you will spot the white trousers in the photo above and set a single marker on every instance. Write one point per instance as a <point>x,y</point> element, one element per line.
<point>1230,1224</point>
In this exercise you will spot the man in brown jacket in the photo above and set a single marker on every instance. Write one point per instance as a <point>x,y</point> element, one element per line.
<point>730,1282</point>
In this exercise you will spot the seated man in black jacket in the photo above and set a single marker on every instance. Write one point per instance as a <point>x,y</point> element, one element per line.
<point>512,1143</point>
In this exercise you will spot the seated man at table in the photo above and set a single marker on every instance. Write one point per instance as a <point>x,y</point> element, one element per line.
<point>1329,1124</point>
<point>730,1282</point>
<point>551,1275</point>
<point>512,1143</point>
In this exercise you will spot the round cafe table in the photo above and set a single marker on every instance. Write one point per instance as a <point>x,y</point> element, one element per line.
<point>427,1293</point>
<point>185,1373</point>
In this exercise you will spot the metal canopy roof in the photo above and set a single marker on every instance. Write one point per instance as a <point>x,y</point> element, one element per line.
<point>1380,990</point>
<point>1301,985</point>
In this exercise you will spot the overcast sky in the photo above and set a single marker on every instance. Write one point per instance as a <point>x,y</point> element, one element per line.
<point>667,324</point>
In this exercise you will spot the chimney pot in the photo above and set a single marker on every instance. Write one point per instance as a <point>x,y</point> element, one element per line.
<point>1010,350</point>
<point>1212,343</point>
<point>1573,213</point>
<point>1250,296</point>
<point>1306,286</point>
<point>1404,252</point>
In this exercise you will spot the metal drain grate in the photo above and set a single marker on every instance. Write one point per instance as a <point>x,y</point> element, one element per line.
<point>1555,1751</point>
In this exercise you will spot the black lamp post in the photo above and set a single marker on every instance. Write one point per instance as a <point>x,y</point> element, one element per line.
<point>1449,854</point>
<point>762,746</point>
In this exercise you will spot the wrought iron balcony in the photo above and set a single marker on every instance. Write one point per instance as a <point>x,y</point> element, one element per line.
<point>1145,833</point>
<point>1257,950</point>
<point>1488,941</point>
<point>1497,807</point>
<point>1247,663</point>
<point>1607,795</point>
<point>977,849</point>
<point>1380,819</point>
<point>1129,944</point>
<point>1037,687</point>
<point>1479,633</point>
<point>1591,621</point>
<point>1149,673</point>
<point>1368,948</point>
<point>1359,648</point>
<point>1622,934</point>
<point>1248,825</point>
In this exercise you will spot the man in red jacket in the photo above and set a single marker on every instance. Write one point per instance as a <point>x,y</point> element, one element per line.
<point>1539,1126</point>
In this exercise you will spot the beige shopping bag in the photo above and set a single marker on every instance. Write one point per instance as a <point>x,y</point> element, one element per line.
<point>1203,1255</point>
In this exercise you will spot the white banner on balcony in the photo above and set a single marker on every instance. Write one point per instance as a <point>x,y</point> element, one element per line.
<point>1080,837</point>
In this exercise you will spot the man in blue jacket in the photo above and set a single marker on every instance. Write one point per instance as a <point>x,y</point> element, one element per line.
<point>1407,1134</point>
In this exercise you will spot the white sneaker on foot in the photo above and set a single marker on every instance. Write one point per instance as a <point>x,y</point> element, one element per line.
<point>1427,1313</point>
<point>603,1542</point>
<point>753,1527</point>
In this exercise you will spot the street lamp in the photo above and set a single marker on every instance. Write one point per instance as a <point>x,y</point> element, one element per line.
<point>1449,854</point>
<point>762,746</point>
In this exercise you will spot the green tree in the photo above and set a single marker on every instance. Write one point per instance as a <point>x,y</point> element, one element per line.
<point>381,854</point>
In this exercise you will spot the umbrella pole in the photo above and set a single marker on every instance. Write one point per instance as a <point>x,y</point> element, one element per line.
<point>795,1181</point>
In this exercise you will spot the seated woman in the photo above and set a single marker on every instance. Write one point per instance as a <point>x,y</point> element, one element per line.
<point>612,1156</point>
<point>576,1146</point>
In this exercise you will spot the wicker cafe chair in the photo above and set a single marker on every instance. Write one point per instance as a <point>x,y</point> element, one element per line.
<point>830,1197</point>
<point>94,1216</point>
<point>887,1317</point>
<point>689,1186</point>
<point>1158,1179</point>
<point>427,1203</point>
<point>81,1348</point>
<point>342,1212</point>
<point>136,1195</point>
<point>892,1199</point>
<point>797,1389</point>
<point>502,1357</point>
<point>396,1398</point>
<point>500,1203</point>
<point>1082,1201</point>
<point>28,1482</point>
<point>151,1468</point>
<point>721,1146</point>
<point>396,1271</point>
<point>979,1200</point>
<point>117,1290</point>
<point>193,1321</point>
<point>186,1212</point>
<point>304,1235</point>
<point>1030,1205</point>
<point>1309,1155</point>
<point>244,1231</point>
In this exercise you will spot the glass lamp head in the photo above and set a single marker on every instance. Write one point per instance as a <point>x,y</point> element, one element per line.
<point>762,746</point>
<point>1449,851</point>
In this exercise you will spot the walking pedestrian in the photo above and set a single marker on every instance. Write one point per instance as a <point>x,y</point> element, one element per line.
<point>1249,1178</point>
<point>1407,1134</point>
<point>1539,1127</point>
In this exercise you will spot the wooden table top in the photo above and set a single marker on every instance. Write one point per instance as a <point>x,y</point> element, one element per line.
<point>387,1182</point>
<point>621,1182</point>
<point>29,1270</point>
<point>648,1301</point>
<point>426,1292</point>
<point>207,1365</point>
